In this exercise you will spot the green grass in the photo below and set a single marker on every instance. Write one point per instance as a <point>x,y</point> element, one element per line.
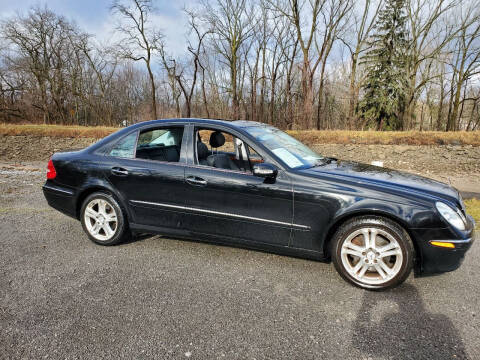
<point>473,208</point>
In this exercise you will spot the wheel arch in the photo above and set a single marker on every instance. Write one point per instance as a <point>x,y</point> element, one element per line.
<point>84,193</point>
<point>339,221</point>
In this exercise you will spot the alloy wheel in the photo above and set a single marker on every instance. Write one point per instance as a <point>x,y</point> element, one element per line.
<point>100,219</point>
<point>371,256</point>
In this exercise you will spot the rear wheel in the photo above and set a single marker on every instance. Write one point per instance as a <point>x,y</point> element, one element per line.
<point>372,252</point>
<point>104,220</point>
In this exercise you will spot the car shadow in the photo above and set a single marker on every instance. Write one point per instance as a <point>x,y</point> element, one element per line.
<point>137,238</point>
<point>396,325</point>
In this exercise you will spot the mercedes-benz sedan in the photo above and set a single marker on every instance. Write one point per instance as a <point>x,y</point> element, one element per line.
<point>252,185</point>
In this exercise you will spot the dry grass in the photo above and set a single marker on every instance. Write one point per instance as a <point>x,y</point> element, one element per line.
<point>388,137</point>
<point>306,136</point>
<point>473,208</point>
<point>65,131</point>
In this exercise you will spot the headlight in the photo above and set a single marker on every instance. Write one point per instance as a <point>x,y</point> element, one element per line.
<point>450,215</point>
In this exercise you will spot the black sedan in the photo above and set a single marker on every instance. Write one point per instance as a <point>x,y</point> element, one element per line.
<point>252,185</point>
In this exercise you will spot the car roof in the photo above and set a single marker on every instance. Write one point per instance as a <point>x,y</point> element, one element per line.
<point>238,124</point>
<point>233,124</point>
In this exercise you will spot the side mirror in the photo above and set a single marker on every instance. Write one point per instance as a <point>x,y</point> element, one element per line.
<point>265,170</point>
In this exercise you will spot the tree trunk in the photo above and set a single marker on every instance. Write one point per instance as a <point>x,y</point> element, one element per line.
<point>233,79</point>
<point>449,125</point>
<point>307,93</point>
<point>272,100</point>
<point>440,101</point>
<point>456,106</point>
<point>320,115</point>
<point>204,94</point>
<point>262,88</point>
<point>254,80</point>
<point>353,92</point>
<point>152,85</point>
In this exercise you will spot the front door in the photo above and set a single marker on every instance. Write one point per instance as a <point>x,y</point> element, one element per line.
<point>224,198</point>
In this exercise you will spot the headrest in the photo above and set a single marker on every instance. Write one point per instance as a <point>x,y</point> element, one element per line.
<point>202,150</point>
<point>217,139</point>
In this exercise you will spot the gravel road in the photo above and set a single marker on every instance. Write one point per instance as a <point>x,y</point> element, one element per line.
<point>61,296</point>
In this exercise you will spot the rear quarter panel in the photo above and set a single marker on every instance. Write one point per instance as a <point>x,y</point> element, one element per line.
<point>83,173</point>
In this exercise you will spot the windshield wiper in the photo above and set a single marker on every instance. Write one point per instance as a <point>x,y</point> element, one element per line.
<point>320,162</point>
<point>323,161</point>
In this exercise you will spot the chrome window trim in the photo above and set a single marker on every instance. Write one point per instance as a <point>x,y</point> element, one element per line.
<point>304,227</point>
<point>207,167</point>
<point>150,161</point>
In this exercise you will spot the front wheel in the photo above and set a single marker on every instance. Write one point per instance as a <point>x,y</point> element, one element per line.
<point>104,220</point>
<point>372,252</point>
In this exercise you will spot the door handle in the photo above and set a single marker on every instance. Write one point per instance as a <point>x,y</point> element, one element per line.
<point>196,181</point>
<point>118,171</point>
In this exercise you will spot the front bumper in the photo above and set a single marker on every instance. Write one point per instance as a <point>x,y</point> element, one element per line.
<point>435,259</point>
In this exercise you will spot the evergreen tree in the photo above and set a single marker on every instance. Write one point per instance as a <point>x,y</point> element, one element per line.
<point>383,103</point>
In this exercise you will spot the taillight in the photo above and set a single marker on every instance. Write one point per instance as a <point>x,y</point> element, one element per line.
<point>51,172</point>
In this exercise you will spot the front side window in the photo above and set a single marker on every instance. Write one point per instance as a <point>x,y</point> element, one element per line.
<point>160,144</point>
<point>220,149</point>
<point>125,147</point>
<point>291,151</point>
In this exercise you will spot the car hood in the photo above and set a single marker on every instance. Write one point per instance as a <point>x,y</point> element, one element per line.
<point>386,178</point>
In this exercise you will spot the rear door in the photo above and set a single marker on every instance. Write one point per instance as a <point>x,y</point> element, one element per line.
<point>147,167</point>
<point>235,204</point>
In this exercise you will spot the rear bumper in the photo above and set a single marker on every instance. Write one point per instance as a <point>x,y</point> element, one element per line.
<point>435,259</point>
<point>60,198</point>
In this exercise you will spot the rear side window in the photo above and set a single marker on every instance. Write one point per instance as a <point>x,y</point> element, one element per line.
<point>125,148</point>
<point>161,144</point>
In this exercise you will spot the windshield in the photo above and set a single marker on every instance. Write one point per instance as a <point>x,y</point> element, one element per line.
<point>291,151</point>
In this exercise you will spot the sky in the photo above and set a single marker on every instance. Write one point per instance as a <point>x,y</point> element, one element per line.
<point>93,16</point>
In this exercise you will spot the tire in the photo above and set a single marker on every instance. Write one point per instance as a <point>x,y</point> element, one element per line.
<point>380,264</point>
<point>104,220</point>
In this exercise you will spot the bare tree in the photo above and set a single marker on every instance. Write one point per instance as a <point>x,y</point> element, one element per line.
<point>334,14</point>
<point>295,12</point>
<point>274,61</point>
<point>467,60</point>
<point>355,41</point>
<point>232,23</point>
<point>196,51</point>
<point>140,40</point>
<point>429,34</point>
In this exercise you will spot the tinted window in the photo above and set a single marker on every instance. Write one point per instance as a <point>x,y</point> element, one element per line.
<point>161,144</point>
<point>289,150</point>
<point>224,150</point>
<point>228,146</point>
<point>125,148</point>
<point>254,157</point>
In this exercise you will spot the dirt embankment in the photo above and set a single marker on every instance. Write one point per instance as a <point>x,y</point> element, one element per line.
<point>440,159</point>
<point>457,164</point>
<point>35,148</point>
